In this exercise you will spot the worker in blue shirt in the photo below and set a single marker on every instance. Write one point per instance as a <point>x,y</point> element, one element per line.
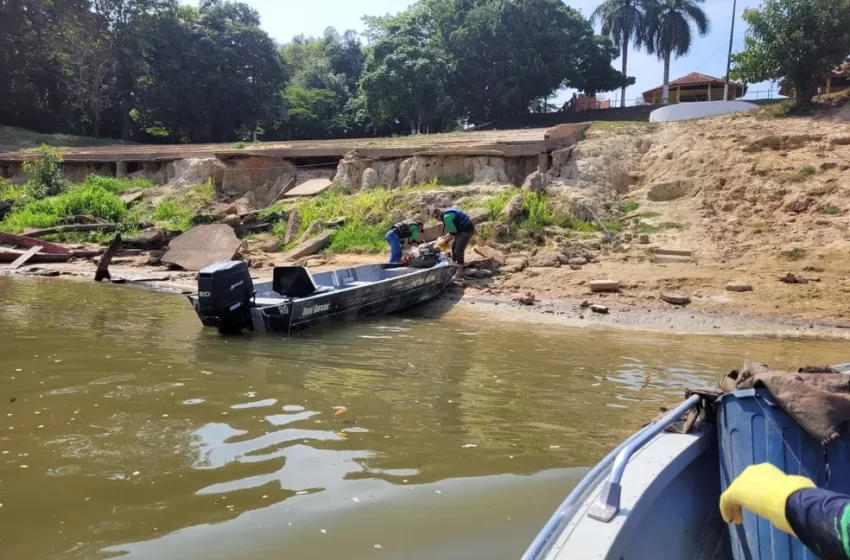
<point>459,225</point>
<point>819,518</point>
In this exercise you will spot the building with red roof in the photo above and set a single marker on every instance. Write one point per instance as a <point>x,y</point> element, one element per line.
<point>694,87</point>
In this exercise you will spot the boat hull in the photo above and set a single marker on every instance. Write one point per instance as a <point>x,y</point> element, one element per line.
<point>375,298</point>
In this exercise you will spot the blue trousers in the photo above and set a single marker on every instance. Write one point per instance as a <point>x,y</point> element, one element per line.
<point>395,246</point>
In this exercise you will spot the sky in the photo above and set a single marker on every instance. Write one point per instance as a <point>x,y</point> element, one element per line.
<point>286,19</point>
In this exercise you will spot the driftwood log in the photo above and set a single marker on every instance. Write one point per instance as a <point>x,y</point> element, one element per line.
<point>74,227</point>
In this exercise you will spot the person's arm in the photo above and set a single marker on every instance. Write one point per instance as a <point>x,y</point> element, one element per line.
<point>449,222</point>
<point>821,520</point>
<point>414,233</point>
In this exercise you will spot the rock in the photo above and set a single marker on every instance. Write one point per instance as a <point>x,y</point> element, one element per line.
<point>675,298</point>
<point>130,198</point>
<point>232,220</point>
<point>578,261</point>
<point>596,308</point>
<point>604,286</point>
<point>527,299</point>
<point>738,287</point>
<point>309,246</point>
<point>673,252</point>
<point>478,273</point>
<point>548,259</point>
<point>669,190</point>
<point>825,166</point>
<point>311,230</point>
<point>293,225</point>
<point>643,239</point>
<point>202,246</point>
<point>515,264</point>
<point>490,253</point>
<point>271,246</point>
<point>585,304</point>
<point>369,179</point>
<point>487,175</point>
<point>257,264</point>
<point>212,212</point>
<point>155,258</point>
<point>799,205</point>
<point>790,278</point>
<point>247,203</point>
<point>575,266</point>
<point>670,259</point>
<point>513,208</point>
<point>569,132</point>
<point>535,182</point>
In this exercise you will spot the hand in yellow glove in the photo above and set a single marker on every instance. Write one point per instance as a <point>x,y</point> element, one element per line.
<point>762,489</point>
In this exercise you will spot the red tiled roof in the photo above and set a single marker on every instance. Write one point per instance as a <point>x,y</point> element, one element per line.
<point>692,79</point>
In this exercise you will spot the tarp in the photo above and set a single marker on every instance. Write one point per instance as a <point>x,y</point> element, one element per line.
<point>698,110</point>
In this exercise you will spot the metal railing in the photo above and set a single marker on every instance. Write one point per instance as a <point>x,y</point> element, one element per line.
<point>619,457</point>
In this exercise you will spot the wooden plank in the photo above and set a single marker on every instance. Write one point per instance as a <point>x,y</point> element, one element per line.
<point>24,258</point>
<point>77,227</point>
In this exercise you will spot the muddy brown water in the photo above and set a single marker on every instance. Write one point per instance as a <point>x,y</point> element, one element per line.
<point>134,432</point>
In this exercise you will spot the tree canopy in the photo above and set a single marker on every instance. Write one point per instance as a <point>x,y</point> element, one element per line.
<point>159,70</point>
<point>797,42</point>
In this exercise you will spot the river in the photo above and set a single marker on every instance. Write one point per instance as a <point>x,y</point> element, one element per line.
<point>126,429</point>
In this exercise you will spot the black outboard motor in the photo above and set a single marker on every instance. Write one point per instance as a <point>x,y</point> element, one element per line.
<point>225,291</point>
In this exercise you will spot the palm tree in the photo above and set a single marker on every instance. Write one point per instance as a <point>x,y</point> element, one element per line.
<point>668,30</point>
<point>623,21</point>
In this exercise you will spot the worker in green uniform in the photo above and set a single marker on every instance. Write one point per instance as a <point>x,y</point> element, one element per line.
<point>819,518</point>
<point>403,232</point>
<point>459,225</point>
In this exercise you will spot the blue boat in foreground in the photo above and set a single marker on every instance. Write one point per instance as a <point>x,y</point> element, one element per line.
<point>656,495</point>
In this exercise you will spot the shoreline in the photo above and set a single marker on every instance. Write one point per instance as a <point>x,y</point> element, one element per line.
<point>566,312</point>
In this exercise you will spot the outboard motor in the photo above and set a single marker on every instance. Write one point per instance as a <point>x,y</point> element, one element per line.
<point>224,295</point>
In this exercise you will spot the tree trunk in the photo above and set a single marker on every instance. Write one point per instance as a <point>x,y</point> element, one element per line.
<point>625,60</point>
<point>804,92</point>
<point>96,124</point>
<point>666,90</point>
<point>125,118</point>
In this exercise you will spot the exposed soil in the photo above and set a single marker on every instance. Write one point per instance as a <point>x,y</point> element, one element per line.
<point>751,199</point>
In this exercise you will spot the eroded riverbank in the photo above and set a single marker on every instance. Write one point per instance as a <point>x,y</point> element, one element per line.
<point>126,426</point>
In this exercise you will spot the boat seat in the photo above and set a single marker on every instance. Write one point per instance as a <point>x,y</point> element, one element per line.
<point>295,282</point>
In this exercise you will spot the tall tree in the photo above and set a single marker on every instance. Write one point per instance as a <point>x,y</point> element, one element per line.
<point>668,31</point>
<point>594,71</point>
<point>797,42</point>
<point>624,21</point>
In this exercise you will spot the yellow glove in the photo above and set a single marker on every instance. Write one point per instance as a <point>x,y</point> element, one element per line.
<point>762,489</point>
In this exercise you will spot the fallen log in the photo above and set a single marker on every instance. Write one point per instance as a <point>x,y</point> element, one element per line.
<point>74,227</point>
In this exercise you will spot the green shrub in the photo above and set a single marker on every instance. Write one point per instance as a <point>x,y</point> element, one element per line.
<point>829,210</point>
<point>643,227</point>
<point>10,191</point>
<point>91,200</point>
<point>795,254</point>
<point>454,181</point>
<point>45,174</point>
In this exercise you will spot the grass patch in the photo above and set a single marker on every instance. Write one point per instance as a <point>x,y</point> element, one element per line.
<point>829,210</point>
<point>643,227</point>
<point>172,215</point>
<point>92,200</point>
<point>629,206</point>
<point>239,145</point>
<point>670,225</point>
<point>804,173</point>
<point>649,214</point>
<point>495,204</point>
<point>115,185</point>
<point>458,181</point>
<point>360,238</point>
<point>795,254</point>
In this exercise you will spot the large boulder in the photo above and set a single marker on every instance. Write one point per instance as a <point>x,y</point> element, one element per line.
<point>369,179</point>
<point>548,259</point>
<point>182,173</point>
<point>536,182</point>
